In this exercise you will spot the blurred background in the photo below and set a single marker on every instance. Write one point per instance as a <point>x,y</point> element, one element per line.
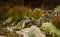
<point>14,11</point>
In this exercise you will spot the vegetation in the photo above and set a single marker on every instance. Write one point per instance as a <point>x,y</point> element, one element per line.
<point>30,18</point>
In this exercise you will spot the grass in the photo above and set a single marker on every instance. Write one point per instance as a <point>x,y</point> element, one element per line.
<point>19,14</point>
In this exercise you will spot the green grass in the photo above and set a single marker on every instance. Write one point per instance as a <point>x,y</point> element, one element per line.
<point>19,14</point>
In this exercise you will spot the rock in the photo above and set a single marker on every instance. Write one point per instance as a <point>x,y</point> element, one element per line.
<point>33,31</point>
